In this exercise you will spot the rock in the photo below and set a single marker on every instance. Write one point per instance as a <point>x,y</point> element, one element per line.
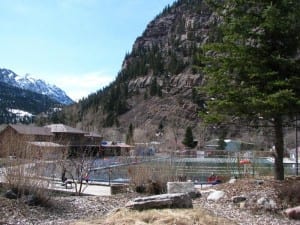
<point>293,213</point>
<point>10,194</point>
<point>178,200</point>
<point>238,199</point>
<point>232,181</point>
<point>183,187</point>
<point>215,196</point>
<point>260,182</point>
<point>180,187</point>
<point>266,203</point>
<point>31,200</point>
<point>196,194</point>
<point>242,205</point>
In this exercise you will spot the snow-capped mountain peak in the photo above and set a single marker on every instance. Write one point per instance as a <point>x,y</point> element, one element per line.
<point>36,85</point>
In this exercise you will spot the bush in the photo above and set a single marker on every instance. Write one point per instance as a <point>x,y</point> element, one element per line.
<point>150,178</point>
<point>28,194</point>
<point>31,194</point>
<point>25,178</point>
<point>289,193</point>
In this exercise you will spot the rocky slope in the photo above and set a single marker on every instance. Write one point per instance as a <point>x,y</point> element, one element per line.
<point>157,82</point>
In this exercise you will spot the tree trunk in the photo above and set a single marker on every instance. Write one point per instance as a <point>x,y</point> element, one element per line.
<point>279,149</point>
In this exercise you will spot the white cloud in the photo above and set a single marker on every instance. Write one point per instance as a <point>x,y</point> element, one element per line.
<point>78,86</point>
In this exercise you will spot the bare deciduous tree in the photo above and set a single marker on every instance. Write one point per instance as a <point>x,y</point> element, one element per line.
<point>77,169</point>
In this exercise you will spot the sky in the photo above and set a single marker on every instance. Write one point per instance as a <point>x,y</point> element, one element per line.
<point>77,45</point>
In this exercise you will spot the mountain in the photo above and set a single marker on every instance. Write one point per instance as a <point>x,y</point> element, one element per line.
<point>156,86</point>
<point>20,105</point>
<point>156,90</point>
<point>35,85</point>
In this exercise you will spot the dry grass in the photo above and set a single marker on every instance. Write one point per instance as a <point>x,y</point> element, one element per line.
<point>194,216</point>
<point>24,174</point>
<point>152,177</point>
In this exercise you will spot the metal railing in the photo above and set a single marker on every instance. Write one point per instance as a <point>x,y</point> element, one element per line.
<point>226,166</point>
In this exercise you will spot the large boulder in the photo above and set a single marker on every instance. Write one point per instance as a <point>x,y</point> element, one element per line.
<point>180,187</point>
<point>177,200</point>
<point>232,180</point>
<point>216,196</point>
<point>266,203</point>
<point>183,187</point>
<point>293,213</point>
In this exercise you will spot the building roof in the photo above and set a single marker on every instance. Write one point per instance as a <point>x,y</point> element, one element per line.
<point>2,127</point>
<point>93,134</point>
<point>110,144</point>
<point>61,128</point>
<point>30,130</point>
<point>231,145</point>
<point>45,144</point>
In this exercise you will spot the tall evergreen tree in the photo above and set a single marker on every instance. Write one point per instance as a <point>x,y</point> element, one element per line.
<point>253,69</point>
<point>129,136</point>
<point>188,140</point>
<point>153,87</point>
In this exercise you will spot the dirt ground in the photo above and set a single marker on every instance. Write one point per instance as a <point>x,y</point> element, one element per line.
<point>80,210</point>
<point>283,193</point>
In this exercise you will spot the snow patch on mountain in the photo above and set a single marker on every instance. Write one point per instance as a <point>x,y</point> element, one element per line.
<point>20,113</point>
<point>36,85</point>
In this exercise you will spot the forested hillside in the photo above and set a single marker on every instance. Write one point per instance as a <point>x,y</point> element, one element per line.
<point>20,99</point>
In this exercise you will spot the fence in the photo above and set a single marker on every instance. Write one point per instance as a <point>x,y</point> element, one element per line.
<point>228,164</point>
<point>225,165</point>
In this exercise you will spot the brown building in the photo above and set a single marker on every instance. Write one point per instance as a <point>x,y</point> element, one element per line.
<point>64,134</point>
<point>109,148</point>
<point>14,139</point>
<point>78,141</point>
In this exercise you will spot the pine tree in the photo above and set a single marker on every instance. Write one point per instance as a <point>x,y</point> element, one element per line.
<point>153,87</point>
<point>129,136</point>
<point>188,140</point>
<point>252,71</point>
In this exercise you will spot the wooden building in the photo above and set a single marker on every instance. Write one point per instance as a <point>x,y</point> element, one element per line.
<point>109,148</point>
<point>78,141</point>
<point>14,139</point>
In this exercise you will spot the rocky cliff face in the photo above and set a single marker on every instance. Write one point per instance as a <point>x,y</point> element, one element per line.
<point>176,33</point>
<point>186,22</point>
<point>162,56</point>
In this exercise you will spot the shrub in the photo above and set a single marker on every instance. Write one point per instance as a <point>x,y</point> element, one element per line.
<point>31,189</point>
<point>24,174</point>
<point>150,178</point>
<point>289,193</point>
